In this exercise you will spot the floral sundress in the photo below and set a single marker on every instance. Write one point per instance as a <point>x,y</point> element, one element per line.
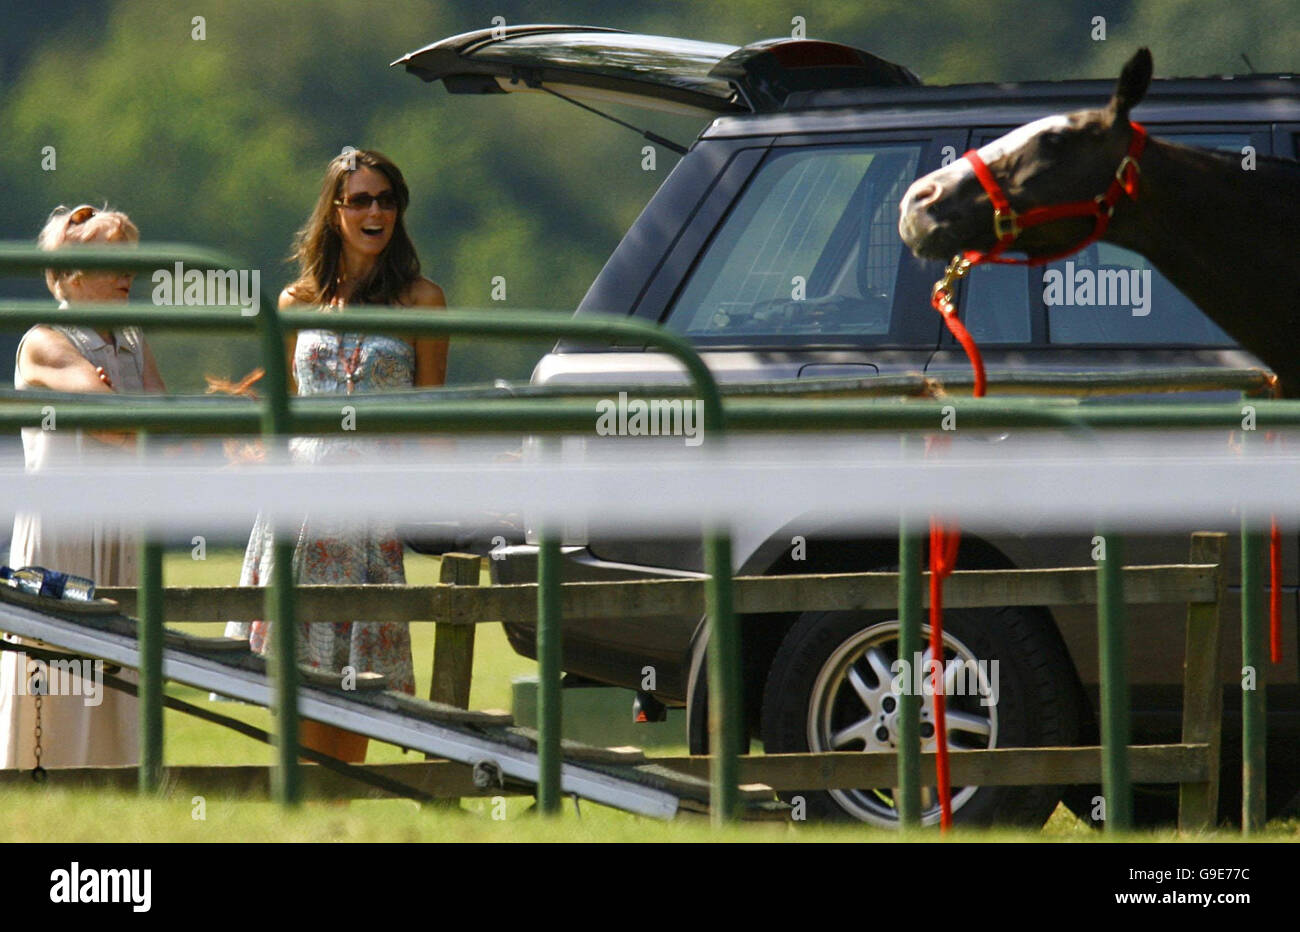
<point>331,550</point>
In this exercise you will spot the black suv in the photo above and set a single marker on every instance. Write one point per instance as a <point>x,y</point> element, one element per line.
<point>773,247</point>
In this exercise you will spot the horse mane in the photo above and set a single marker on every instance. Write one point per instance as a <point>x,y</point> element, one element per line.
<point>1227,238</point>
<point>1286,169</point>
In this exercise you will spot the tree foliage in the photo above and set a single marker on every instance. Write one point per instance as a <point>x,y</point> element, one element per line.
<point>221,141</point>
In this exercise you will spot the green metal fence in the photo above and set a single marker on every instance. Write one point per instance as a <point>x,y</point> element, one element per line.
<point>556,413</point>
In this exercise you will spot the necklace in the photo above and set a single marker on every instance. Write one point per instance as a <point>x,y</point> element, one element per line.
<point>350,364</point>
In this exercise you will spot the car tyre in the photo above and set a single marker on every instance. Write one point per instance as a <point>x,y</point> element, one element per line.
<point>826,691</point>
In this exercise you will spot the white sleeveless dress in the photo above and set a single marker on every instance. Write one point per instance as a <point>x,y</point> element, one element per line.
<point>74,734</point>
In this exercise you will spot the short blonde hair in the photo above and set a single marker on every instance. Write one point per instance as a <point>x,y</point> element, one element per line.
<point>79,225</point>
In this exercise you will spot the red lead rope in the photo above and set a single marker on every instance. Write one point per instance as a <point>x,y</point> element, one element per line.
<point>944,542</point>
<point>1274,575</point>
<point>943,560</point>
<point>1275,592</point>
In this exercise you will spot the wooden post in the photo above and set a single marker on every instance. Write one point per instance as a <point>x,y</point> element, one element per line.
<point>726,690</point>
<point>1198,803</point>
<point>1115,709</point>
<point>453,646</point>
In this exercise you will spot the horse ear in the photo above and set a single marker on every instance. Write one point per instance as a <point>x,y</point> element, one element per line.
<point>1132,84</point>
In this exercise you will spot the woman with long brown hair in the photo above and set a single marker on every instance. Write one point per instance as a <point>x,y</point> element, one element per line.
<point>354,249</point>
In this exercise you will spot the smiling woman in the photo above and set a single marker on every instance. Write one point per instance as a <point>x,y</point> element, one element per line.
<point>354,249</point>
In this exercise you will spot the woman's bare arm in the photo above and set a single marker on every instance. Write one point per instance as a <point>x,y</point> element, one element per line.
<point>49,360</point>
<point>430,354</point>
<point>151,378</point>
<point>288,300</point>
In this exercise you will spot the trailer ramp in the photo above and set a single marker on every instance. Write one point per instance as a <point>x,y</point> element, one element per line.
<point>488,741</point>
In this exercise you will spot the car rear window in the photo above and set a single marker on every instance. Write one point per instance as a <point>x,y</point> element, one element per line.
<point>811,248</point>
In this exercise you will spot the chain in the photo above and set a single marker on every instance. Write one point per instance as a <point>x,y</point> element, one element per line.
<point>38,772</point>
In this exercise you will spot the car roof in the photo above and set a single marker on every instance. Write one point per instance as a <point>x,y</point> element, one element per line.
<point>1227,99</point>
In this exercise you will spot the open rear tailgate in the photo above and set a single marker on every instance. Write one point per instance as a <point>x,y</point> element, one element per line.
<point>654,72</point>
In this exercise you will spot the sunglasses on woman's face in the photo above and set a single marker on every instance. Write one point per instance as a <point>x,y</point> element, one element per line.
<point>386,201</point>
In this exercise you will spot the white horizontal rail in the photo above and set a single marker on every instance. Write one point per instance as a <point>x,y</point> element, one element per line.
<point>1030,482</point>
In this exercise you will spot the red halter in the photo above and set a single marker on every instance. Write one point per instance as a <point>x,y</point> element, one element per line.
<point>1007,224</point>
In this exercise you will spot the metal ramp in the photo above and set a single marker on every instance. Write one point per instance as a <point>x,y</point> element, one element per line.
<point>488,741</point>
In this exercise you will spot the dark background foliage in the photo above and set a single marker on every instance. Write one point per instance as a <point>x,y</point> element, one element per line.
<point>222,141</point>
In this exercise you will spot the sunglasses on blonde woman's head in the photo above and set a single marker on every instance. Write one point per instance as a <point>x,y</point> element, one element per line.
<point>80,215</point>
<point>386,201</point>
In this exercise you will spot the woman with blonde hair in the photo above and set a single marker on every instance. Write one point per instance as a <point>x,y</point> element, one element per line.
<point>71,358</point>
<point>354,249</point>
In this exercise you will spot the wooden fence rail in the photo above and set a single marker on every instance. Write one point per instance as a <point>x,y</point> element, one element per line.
<point>459,602</point>
<point>466,603</point>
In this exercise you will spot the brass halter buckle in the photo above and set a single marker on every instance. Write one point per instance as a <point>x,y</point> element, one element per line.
<point>1005,224</point>
<point>1126,162</point>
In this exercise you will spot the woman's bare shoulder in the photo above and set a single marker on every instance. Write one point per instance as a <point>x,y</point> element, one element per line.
<point>290,298</point>
<point>45,346</point>
<point>424,293</point>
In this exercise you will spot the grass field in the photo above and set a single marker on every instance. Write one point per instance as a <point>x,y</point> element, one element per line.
<point>48,814</point>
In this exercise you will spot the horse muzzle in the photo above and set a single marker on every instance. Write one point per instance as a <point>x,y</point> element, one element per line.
<point>930,220</point>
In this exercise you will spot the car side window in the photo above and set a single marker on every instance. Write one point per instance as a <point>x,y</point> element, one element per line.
<point>811,248</point>
<point>1106,294</point>
<point>996,304</point>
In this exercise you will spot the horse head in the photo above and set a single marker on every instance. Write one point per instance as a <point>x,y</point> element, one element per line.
<point>1067,159</point>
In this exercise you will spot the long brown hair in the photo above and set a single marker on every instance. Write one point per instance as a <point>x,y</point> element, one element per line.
<point>318,246</point>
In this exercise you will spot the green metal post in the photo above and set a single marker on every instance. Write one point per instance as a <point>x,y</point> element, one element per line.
<point>281,593</point>
<point>150,635</point>
<point>1111,621</point>
<point>909,649</point>
<point>549,699</point>
<point>725,705</point>
<point>286,784</point>
<point>1254,658</point>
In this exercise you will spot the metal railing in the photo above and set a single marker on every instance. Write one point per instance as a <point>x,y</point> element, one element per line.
<point>556,414</point>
